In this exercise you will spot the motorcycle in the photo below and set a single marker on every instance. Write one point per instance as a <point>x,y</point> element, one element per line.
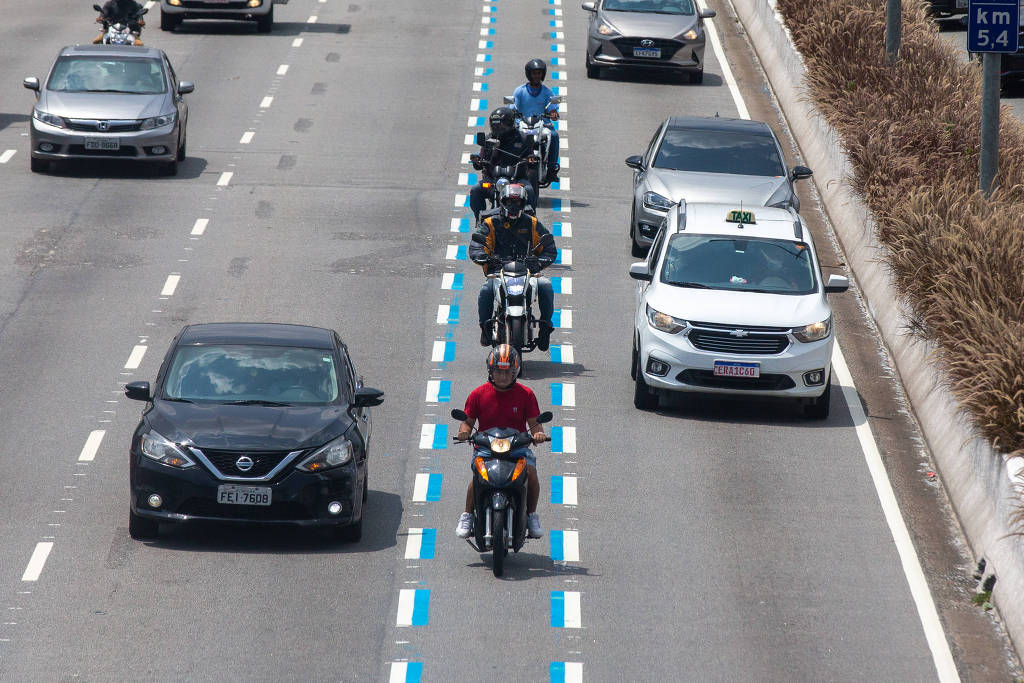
<point>533,128</point>
<point>513,322</point>
<point>120,32</point>
<point>503,174</point>
<point>499,489</point>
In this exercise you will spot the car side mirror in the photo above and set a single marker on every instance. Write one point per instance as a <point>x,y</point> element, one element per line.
<point>367,397</point>
<point>137,391</point>
<point>635,162</point>
<point>800,173</point>
<point>508,99</point>
<point>708,14</point>
<point>589,6</point>
<point>837,284</point>
<point>459,414</point>
<point>640,271</point>
<point>32,83</point>
<point>185,87</point>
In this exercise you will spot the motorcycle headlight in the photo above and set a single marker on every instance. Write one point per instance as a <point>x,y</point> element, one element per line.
<point>653,200</point>
<point>156,447</point>
<point>814,332</point>
<point>334,454</point>
<point>515,285</point>
<point>664,322</point>
<point>691,34</point>
<point>500,445</point>
<point>48,119</point>
<point>157,121</point>
<point>606,29</point>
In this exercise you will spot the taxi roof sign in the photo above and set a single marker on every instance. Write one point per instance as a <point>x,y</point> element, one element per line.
<point>742,217</point>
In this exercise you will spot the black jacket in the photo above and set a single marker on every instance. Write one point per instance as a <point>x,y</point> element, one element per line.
<point>525,236</point>
<point>508,150</point>
<point>115,11</point>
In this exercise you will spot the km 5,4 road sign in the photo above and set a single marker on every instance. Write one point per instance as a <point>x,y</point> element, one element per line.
<point>992,25</point>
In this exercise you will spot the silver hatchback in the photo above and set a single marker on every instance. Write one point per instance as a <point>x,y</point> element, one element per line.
<point>104,101</point>
<point>665,35</point>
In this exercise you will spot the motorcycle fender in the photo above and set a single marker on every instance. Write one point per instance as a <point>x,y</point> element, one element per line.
<point>499,501</point>
<point>516,311</point>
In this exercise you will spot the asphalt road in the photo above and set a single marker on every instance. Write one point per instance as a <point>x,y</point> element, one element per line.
<point>711,540</point>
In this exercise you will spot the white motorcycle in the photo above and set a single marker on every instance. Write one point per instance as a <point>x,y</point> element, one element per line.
<point>120,33</point>
<point>533,128</point>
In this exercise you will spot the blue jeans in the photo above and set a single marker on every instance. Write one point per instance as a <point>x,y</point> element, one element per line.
<point>545,299</point>
<point>553,147</point>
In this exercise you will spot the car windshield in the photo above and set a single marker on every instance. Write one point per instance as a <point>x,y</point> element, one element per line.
<point>743,265</point>
<point>133,75</point>
<point>269,375</point>
<point>719,151</point>
<point>650,6</point>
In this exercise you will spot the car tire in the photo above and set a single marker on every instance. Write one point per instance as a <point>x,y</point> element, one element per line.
<point>593,70</point>
<point>38,165</point>
<point>697,77</point>
<point>142,528</point>
<point>818,408</point>
<point>643,397</point>
<point>169,22</point>
<point>266,23</point>
<point>366,486</point>
<point>182,149</point>
<point>637,250</point>
<point>634,364</point>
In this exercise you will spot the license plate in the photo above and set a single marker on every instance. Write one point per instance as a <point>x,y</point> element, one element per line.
<point>724,368</point>
<point>651,52</point>
<point>243,495</point>
<point>102,143</point>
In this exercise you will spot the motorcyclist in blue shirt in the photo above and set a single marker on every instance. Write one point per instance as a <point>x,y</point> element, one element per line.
<point>533,98</point>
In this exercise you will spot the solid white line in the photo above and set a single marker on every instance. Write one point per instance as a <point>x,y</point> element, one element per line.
<point>225,178</point>
<point>266,102</point>
<point>716,45</point>
<point>37,561</point>
<point>406,602</point>
<point>170,285</point>
<point>573,617</point>
<point>246,137</point>
<point>929,616</point>
<point>6,156</point>
<point>135,358</point>
<point>200,226</point>
<point>297,42</point>
<point>92,445</point>
<point>571,545</point>
<point>282,70</point>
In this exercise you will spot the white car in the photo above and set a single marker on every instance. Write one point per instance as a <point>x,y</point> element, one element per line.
<point>731,300</point>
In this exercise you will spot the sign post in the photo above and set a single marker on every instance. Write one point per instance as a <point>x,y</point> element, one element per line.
<point>992,28</point>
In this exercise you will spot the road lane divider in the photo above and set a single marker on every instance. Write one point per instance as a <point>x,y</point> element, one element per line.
<point>199,227</point>
<point>453,281</point>
<point>443,352</point>
<point>439,391</point>
<point>413,607</point>
<point>170,285</point>
<point>247,137</point>
<point>92,445</point>
<point>565,545</point>
<point>565,609</point>
<point>447,314</point>
<point>420,543</point>
<point>563,439</point>
<point>406,672</point>
<point>427,488</point>
<point>563,394</point>
<point>37,561</point>
<point>561,353</point>
<point>566,672</point>
<point>564,490</point>
<point>434,436</point>
<point>135,357</point>
<point>225,178</point>
<point>6,156</point>
<point>561,318</point>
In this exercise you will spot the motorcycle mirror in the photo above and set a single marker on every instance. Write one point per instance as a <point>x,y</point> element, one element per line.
<point>478,238</point>
<point>557,99</point>
<point>459,414</point>
<point>508,99</point>
<point>143,11</point>
<point>546,416</point>
<point>97,8</point>
<point>481,139</point>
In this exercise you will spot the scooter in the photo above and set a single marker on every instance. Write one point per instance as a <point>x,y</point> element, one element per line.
<point>499,489</point>
<point>120,33</point>
<point>534,129</point>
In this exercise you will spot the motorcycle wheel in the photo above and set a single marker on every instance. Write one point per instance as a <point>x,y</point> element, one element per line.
<point>498,542</point>
<point>516,333</point>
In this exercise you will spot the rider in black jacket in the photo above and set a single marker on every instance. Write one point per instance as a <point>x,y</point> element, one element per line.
<point>506,147</point>
<point>124,12</point>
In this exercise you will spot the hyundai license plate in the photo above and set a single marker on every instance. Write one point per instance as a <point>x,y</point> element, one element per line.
<point>243,495</point>
<point>650,52</point>
<point>726,368</point>
<point>102,143</point>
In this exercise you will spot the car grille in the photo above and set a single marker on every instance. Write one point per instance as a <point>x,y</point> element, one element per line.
<point>264,462</point>
<point>725,342</point>
<point>201,4</point>
<point>668,47</point>
<point>125,151</point>
<point>707,378</point>
<point>90,126</point>
<point>207,507</point>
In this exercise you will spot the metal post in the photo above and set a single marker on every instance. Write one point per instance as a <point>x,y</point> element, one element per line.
<point>991,62</point>
<point>893,30</point>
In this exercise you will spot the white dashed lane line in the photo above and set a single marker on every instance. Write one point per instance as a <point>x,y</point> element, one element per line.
<point>312,19</point>
<point>6,156</point>
<point>246,137</point>
<point>225,178</point>
<point>297,42</point>
<point>170,285</point>
<point>37,561</point>
<point>266,102</point>
<point>200,226</point>
<point>282,70</point>
<point>135,358</point>
<point>92,445</point>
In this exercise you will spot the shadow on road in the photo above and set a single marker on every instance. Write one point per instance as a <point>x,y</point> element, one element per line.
<point>191,168</point>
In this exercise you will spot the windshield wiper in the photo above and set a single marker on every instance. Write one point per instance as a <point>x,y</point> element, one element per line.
<point>126,92</point>
<point>178,400</point>
<point>694,285</point>
<point>256,402</point>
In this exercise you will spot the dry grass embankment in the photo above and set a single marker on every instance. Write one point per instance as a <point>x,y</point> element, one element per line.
<point>912,133</point>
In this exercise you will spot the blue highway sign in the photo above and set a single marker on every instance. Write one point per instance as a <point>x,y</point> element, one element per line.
<point>992,25</point>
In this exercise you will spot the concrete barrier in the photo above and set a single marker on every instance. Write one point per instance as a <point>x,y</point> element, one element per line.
<point>980,482</point>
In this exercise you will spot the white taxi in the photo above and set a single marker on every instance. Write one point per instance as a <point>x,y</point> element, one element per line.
<point>731,300</point>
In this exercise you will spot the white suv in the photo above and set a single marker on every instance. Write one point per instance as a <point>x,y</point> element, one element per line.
<point>731,300</point>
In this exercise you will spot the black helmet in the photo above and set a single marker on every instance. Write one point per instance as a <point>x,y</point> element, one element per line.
<point>512,201</point>
<point>536,65</point>
<point>503,357</point>
<point>503,121</point>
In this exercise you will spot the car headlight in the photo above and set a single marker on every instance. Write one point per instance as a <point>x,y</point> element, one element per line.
<point>606,29</point>
<point>48,119</point>
<point>814,332</point>
<point>156,447</point>
<point>334,454</point>
<point>653,200</point>
<point>691,34</point>
<point>157,121</point>
<point>664,322</point>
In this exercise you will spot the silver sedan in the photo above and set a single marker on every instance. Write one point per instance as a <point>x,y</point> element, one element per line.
<point>104,101</point>
<point>666,35</point>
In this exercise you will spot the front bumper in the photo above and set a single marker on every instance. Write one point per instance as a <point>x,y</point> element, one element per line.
<point>297,498</point>
<point>691,369</point>
<point>203,9</point>
<point>70,144</point>
<point>617,51</point>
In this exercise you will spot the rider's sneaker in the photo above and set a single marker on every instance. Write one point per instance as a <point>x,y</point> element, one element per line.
<point>552,176</point>
<point>465,527</point>
<point>544,336</point>
<point>533,526</point>
<point>485,335</point>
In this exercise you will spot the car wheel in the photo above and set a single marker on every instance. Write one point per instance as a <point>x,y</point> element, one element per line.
<point>697,76</point>
<point>818,408</point>
<point>169,22</point>
<point>181,150</point>
<point>643,397</point>
<point>38,165</point>
<point>593,70</point>
<point>366,486</point>
<point>265,23</point>
<point>634,365</point>
<point>637,250</point>
<point>142,528</point>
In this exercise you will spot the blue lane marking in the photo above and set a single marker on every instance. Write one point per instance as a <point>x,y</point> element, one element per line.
<point>556,318</point>
<point>559,125</point>
<point>558,61</point>
<point>414,672</point>
<point>558,252</point>
<point>453,318</point>
<point>462,253</point>
<point>480,121</point>
<point>556,490</point>
<point>556,227</point>
<point>449,356</point>
<point>487,58</point>
<point>491,31</point>
<point>554,48</point>
<point>488,71</point>
<point>483,105</point>
<point>556,672</point>
<point>471,178</point>
<point>556,74</point>
<point>557,609</point>
<point>556,439</point>
<point>464,225</point>
<point>556,186</point>
<point>556,285</point>
<point>552,35</point>
<point>457,283</point>
<point>556,204</point>
<point>428,539</point>
<point>556,393</point>
<point>553,24</point>
<point>444,393</point>
<point>551,12</point>
<point>434,485</point>
<point>484,87</point>
<point>421,608</point>
<point>557,549</point>
<point>488,45</point>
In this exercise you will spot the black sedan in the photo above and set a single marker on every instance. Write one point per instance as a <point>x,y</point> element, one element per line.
<point>252,422</point>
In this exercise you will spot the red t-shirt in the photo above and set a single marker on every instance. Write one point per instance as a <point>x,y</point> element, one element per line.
<point>493,408</point>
